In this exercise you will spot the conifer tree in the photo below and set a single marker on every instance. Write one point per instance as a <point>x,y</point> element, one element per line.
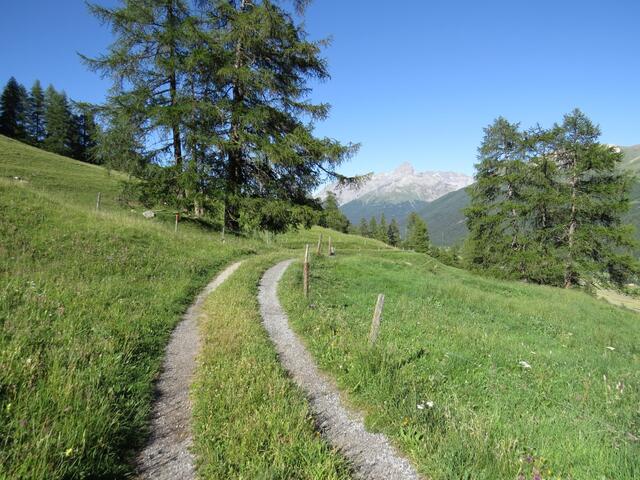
<point>36,114</point>
<point>548,205</point>
<point>146,63</point>
<point>58,121</point>
<point>595,196</point>
<point>393,233</point>
<point>363,228</point>
<point>417,238</point>
<point>381,233</point>
<point>373,227</point>
<point>262,62</point>
<point>496,212</point>
<point>13,103</point>
<point>332,217</point>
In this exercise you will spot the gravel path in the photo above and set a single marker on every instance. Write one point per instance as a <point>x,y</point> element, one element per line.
<point>167,455</point>
<point>371,455</point>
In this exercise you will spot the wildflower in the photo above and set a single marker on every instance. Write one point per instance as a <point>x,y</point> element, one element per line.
<point>68,452</point>
<point>524,364</point>
<point>421,406</point>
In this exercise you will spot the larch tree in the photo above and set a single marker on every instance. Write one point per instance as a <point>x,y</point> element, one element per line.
<point>381,233</point>
<point>58,121</point>
<point>363,228</point>
<point>145,63</point>
<point>373,227</point>
<point>595,196</point>
<point>495,214</point>
<point>417,238</point>
<point>393,233</point>
<point>260,63</point>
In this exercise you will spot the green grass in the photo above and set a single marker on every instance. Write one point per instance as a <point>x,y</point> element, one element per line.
<point>251,421</point>
<point>457,340</point>
<point>87,302</point>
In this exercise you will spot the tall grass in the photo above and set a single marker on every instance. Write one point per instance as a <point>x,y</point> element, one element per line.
<point>251,421</point>
<point>477,378</point>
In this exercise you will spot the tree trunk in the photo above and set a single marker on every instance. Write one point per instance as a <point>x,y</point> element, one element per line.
<point>173,87</point>
<point>571,230</point>
<point>235,176</point>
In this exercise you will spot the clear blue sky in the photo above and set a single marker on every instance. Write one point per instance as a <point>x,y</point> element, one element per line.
<point>412,81</point>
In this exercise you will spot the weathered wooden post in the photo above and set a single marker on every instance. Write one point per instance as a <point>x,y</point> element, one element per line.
<point>305,272</point>
<point>330,249</point>
<point>177,220</point>
<point>375,322</point>
<point>98,201</point>
<point>319,250</point>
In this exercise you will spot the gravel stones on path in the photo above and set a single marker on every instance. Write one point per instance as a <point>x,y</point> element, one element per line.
<point>371,455</point>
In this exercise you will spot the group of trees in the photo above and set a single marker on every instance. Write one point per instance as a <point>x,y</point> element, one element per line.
<point>416,238</point>
<point>547,205</point>
<point>48,119</point>
<point>210,107</point>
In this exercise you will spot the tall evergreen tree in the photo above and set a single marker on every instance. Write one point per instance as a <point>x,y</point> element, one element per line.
<point>393,233</point>
<point>261,63</point>
<point>595,195</point>
<point>495,215</point>
<point>373,227</point>
<point>36,114</point>
<point>548,205</point>
<point>332,217</point>
<point>58,121</point>
<point>230,82</point>
<point>13,104</point>
<point>83,133</point>
<point>381,233</point>
<point>146,63</point>
<point>417,238</point>
<point>363,228</point>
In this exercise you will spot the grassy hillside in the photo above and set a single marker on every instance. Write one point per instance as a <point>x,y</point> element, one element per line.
<point>477,378</point>
<point>88,302</point>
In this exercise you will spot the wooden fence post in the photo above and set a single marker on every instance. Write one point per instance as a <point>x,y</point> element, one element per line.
<point>375,322</point>
<point>177,220</point>
<point>330,249</point>
<point>305,272</point>
<point>98,201</point>
<point>319,250</point>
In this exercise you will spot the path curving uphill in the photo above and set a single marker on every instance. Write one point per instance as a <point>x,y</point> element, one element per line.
<point>371,455</point>
<point>167,455</point>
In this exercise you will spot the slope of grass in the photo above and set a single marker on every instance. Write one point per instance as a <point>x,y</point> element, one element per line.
<point>250,420</point>
<point>88,300</point>
<point>477,378</point>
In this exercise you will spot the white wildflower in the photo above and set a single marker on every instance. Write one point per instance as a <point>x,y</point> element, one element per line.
<point>524,364</point>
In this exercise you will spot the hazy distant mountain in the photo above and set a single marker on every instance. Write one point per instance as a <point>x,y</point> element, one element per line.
<point>401,185</point>
<point>397,193</point>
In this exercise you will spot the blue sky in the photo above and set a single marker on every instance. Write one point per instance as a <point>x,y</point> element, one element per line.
<point>412,81</point>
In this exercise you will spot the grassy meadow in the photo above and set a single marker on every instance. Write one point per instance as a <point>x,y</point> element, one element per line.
<point>87,302</point>
<point>250,420</point>
<point>471,378</point>
<point>476,378</point>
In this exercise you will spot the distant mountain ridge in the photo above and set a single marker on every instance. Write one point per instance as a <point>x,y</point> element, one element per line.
<point>402,185</point>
